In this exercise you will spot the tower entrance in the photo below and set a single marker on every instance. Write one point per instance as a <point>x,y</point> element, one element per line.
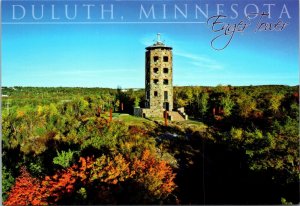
<point>166,106</point>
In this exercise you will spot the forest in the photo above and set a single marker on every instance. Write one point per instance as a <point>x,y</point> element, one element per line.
<point>239,146</point>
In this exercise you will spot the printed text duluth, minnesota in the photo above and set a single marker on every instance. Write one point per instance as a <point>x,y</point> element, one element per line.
<point>91,12</point>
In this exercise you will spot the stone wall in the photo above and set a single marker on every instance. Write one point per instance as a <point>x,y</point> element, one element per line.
<point>147,113</point>
<point>137,111</point>
<point>182,113</point>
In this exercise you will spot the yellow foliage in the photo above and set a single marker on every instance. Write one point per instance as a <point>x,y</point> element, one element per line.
<point>20,113</point>
<point>236,133</point>
<point>40,110</point>
<point>111,171</point>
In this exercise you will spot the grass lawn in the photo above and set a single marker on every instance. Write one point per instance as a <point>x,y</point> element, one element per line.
<point>150,124</point>
<point>133,120</point>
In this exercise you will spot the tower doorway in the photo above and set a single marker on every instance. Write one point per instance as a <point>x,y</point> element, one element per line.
<point>166,106</point>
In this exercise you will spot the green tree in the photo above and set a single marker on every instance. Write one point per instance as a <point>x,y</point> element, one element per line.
<point>136,101</point>
<point>64,158</point>
<point>203,103</point>
<point>275,102</point>
<point>7,182</point>
<point>227,104</point>
<point>246,105</point>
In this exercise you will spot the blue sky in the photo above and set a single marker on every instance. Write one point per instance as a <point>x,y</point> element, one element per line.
<point>61,53</point>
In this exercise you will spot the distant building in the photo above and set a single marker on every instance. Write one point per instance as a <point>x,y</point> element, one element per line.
<point>159,83</point>
<point>133,89</point>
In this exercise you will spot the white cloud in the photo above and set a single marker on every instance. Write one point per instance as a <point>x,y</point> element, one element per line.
<point>200,61</point>
<point>197,61</point>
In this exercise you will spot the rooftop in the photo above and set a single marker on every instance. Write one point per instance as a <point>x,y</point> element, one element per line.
<point>158,44</point>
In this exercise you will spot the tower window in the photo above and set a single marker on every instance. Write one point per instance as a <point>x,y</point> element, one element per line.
<point>166,95</point>
<point>155,81</point>
<point>155,70</point>
<point>166,58</point>
<point>166,82</point>
<point>155,58</point>
<point>155,93</point>
<point>166,70</point>
<point>147,95</point>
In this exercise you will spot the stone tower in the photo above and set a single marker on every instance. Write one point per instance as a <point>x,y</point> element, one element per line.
<point>159,77</point>
<point>159,84</point>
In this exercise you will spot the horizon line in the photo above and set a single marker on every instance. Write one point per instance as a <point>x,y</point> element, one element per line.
<point>144,88</point>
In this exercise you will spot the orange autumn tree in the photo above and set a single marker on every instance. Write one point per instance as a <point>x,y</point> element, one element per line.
<point>60,184</point>
<point>100,176</point>
<point>154,174</point>
<point>31,191</point>
<point>26,191</point>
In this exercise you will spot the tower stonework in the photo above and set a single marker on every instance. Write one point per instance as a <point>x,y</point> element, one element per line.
<point>159,77</point>
<point>159,83</point>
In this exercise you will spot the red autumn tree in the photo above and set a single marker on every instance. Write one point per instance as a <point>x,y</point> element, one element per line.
<point>58,185</point>
<point>154,174</point>
<point>26,191</point>
<point>100,175</point>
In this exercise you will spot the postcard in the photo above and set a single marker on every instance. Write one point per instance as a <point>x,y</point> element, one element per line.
<point>173,102</point>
